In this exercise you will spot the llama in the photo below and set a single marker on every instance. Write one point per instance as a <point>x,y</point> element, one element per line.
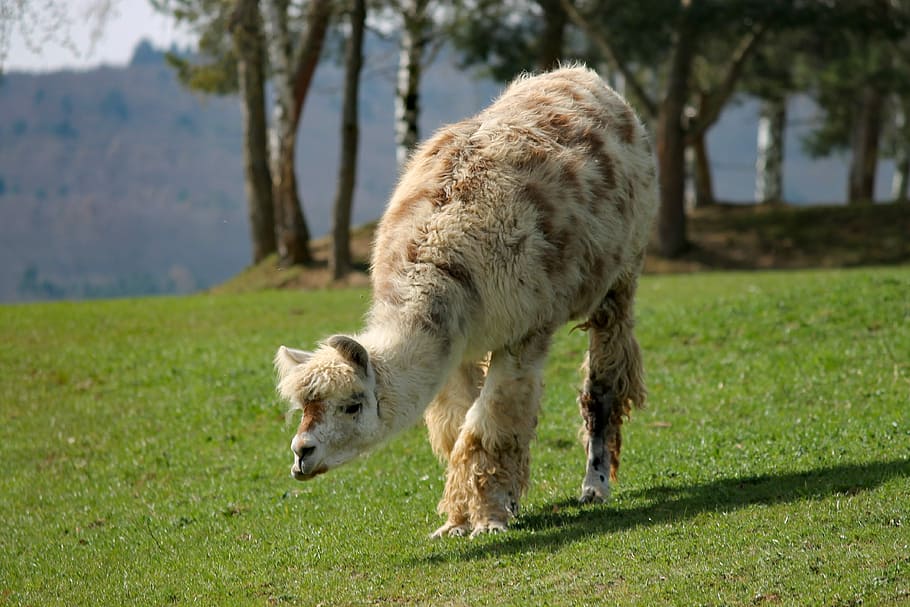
<point>503,228</point>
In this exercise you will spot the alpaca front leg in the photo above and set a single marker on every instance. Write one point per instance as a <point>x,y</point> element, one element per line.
<point>454,502</point>
<point>486,476</point>
<point>485,482</point>
<point>445,415</point>
<point>473,496</point>
<point>489,466</point>
<point>444,418</point>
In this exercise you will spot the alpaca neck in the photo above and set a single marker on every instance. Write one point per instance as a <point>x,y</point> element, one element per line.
<point>411,367</point>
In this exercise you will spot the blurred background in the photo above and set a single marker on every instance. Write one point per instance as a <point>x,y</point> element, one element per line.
<point>165,146</point>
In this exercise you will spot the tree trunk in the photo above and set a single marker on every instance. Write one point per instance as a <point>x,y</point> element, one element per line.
<point>769,174</point>
<point>703,181</point>
<point>307,58</point>
<point>866,131</point>
<point>407,91</point>
<point>291,83</point>
<point>672,132</point>
<point>901,179</point>
<point>671,143</point>
<point>291,231</point>
<point>551,41</point>
<point>246,30</point>
<point>340,261</point>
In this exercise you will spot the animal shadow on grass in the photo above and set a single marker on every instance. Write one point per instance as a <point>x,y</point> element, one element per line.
<point>564,522</point>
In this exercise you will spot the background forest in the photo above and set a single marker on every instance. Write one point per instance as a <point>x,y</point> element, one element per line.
<point>290,120</point>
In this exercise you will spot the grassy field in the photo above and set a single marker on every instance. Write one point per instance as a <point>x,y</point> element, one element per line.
<point>146,460</point>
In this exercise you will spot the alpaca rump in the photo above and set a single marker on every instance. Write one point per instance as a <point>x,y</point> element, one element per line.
<point>503,228</point>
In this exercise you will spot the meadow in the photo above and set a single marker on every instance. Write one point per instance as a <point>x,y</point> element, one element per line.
<point>146,460</point>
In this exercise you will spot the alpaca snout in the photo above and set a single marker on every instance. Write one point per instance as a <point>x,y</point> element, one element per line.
<point>304,453</point>
<point>303,446</point>
<point>306,464</point>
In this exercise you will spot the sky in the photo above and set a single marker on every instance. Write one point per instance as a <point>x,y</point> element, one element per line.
<point>129,22</point>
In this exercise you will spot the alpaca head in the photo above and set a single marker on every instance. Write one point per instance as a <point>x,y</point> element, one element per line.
<point>335,389</point>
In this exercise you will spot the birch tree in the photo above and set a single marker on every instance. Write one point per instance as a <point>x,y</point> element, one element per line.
<point>407,91</point>
<point>292,233</point>
<point>769,165</point>
<point>772,77</point>
<point>293,64</point>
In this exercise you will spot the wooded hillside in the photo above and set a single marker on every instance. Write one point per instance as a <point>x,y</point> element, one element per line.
<point>119,181</point>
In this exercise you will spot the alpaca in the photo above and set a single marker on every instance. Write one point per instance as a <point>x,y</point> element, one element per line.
<point>503,228</point>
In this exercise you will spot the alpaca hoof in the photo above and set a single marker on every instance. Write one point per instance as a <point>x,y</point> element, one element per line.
<point>489,527</point>
<point>590,495</point>
<point>451,530</point>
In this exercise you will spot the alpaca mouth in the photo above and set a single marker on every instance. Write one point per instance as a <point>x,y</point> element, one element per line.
<point>301,475</point>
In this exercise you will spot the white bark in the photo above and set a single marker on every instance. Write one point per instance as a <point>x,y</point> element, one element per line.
<point>901,179</point>
<point>279,50</point>
<point>689,188</point>
<point>769,175</point>
<point>407,107</point>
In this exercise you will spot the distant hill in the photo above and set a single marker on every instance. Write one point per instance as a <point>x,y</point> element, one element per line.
<point>116,181</point>
<point>119,181</point>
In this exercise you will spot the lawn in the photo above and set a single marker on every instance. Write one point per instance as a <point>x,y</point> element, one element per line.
<point>146,460</point>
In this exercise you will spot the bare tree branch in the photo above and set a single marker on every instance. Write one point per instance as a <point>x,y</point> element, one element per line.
<point>712,102</point>
<point>98,14</point>
<point>609,53</point>
<point>307,58</point>
<point>37,23</point>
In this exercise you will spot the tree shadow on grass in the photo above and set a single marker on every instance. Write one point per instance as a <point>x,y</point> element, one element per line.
<point>565,522</point>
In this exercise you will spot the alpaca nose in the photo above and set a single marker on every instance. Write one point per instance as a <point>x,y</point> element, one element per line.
<point>304,452</point>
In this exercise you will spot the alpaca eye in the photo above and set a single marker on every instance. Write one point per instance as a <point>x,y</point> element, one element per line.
<point>353,409</point>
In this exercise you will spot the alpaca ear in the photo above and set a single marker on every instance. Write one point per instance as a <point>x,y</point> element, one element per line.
<point>352,352</point>
<point>288,358</point>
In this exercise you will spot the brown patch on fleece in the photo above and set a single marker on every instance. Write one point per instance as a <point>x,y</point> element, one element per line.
<point>313,414</point>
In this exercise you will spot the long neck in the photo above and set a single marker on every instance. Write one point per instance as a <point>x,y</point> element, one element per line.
<point>411,367</point>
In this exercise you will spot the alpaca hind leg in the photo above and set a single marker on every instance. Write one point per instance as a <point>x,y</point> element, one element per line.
<point>489,467</point>
<point>444,418</point>
<point>613,385</point>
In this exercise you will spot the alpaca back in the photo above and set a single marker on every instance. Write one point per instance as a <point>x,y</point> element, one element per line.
<point>518,219</point>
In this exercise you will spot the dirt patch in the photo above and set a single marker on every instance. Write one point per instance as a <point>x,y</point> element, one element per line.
<point>765,237</point>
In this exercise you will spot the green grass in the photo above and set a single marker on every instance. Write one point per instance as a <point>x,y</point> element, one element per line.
<point>145,460</point>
